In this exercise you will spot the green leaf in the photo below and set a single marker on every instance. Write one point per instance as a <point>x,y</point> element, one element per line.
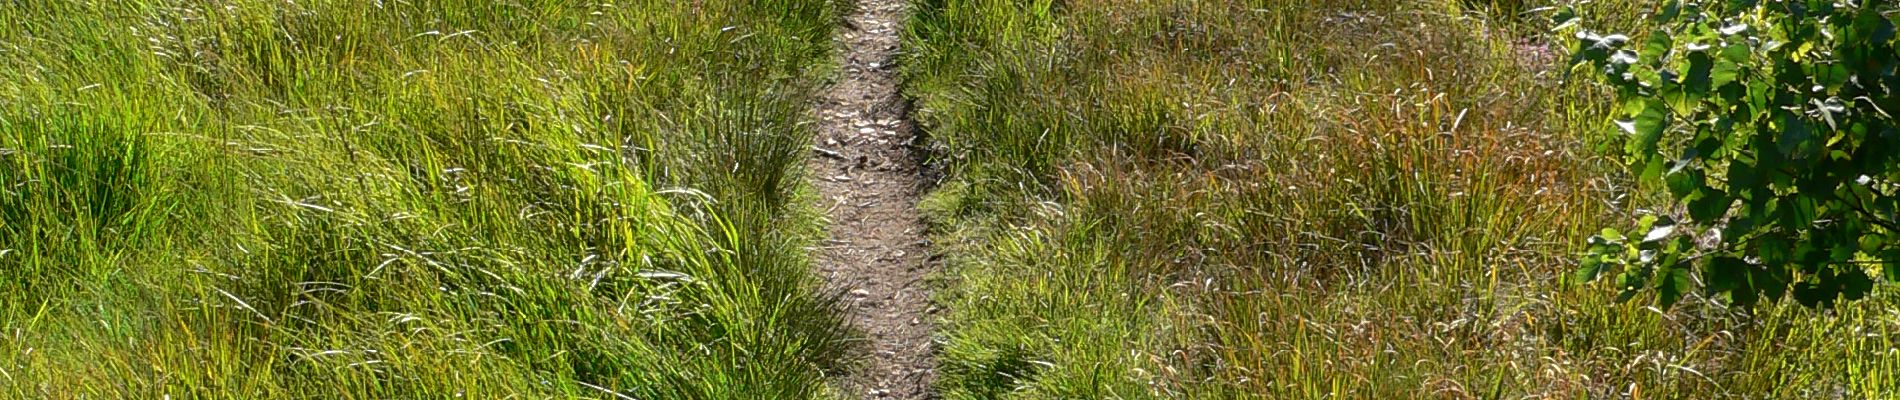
<point>1871,242</point>
<point>1744,298</point>
<point>1671,10</point>
<point>1761,92</point>
<point>1741,175</point>
<point>1877,29</point>
<point>1737,52</point>
<point>1592,47</point>
<point>1611,235</point>
<point>1657,46</point>
<point>1652,168</point>
<point>1854,284</point>
<point>1592,266</point>
<point>1813,294</point>
<point>1796,212</point>
<point>1630,279</point>
<point>1662,229</point>
<point>1711,205</point>
<point>1829,75</point>
<point>1843,250</point>
<point>1625,58</point>
<point>1771,281</point>
<point>1727,68</point>
<point>1774,248</point>
<point>1794,137</point>
<point>1673,282</point>
<point>1725,274</point>
<point>1647,129</point>
<point>1683,180</point>
<point>1697,78</point>
<point>1891,263</point>
<point>1564,19</point>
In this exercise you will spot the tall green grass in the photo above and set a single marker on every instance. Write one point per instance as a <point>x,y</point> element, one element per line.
<point>1332,199</point>
<point>375,199</point>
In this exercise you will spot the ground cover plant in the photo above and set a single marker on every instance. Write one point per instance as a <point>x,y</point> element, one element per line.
<point>394,199</point>
<point>1769,122</point>
<point>1332,199</point>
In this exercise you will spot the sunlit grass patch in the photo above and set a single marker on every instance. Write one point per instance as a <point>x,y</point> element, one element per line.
<point>359,199</point>
<point>1304,200</point>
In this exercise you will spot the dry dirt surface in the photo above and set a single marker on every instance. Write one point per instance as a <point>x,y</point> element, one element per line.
<point>869,178</point>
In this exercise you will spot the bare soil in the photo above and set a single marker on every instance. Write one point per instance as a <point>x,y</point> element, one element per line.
<point>868,174</point>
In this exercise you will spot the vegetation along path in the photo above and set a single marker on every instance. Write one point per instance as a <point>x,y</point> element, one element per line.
<point>870,181</point>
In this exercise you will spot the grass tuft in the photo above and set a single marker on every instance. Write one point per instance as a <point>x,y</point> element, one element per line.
<point>365,199</point>
<point>1269,199</point>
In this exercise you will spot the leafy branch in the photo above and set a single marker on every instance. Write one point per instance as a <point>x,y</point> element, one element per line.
<point>1767,121</point>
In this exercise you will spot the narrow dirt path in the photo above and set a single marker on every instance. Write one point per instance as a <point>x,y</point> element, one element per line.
<point>868,175</point>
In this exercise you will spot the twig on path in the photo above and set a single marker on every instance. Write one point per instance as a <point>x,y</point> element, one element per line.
<point>828,153</point>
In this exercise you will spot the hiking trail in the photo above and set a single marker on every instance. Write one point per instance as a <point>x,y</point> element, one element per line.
<point>869,180</point>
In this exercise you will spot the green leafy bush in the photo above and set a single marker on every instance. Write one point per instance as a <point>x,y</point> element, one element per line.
<point>1771,124</point>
